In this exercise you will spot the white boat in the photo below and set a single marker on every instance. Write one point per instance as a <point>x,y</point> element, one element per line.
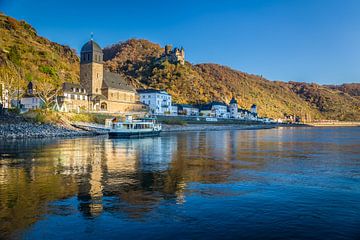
<point>146,127</point>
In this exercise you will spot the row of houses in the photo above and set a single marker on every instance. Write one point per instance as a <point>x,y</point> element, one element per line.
<point>157,102</point>
<point>160,103</point>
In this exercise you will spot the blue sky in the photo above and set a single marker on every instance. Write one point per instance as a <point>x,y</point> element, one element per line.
<point>300,40</point>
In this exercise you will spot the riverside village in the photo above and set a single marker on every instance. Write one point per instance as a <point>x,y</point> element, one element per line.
<point>103,92</point>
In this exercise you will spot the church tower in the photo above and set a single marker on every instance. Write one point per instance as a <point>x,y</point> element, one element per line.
<point>91,67</point>
<point>234,108</point>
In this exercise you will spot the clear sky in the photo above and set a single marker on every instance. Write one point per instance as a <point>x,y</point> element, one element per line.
<point>300,40</point>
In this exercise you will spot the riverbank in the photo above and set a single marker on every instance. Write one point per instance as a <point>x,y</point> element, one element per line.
<point>14,126</point>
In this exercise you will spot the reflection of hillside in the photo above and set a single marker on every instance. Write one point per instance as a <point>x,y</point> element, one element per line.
<point>128,176</point>
<point>24,195</point>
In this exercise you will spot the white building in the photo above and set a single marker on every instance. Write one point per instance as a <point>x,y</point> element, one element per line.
<point>29,101</point>
<point>4,96</point>
<point>253,109</point>
<point>188,110</point>
<point>174,110</point>
<point>215,109</point>
<point>220,109</point>
<point>233,108</point>
<point>159,101</point>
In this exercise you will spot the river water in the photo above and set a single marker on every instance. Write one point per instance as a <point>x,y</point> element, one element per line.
<point>286,183</point>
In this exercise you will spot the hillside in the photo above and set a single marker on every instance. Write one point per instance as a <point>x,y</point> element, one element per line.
<point>353,89</point>
<point>137,60</point>
<point>25,56</point>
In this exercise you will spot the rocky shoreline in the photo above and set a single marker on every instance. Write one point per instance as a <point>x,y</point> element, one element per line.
<point>13,126</point>
<point>34,130</point>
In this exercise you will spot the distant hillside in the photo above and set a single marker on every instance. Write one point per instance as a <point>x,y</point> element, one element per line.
<point>30,57</point>
<point>353,89</point>
<point>138,61</point>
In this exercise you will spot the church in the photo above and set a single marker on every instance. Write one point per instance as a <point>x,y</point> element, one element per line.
<point>99,90</point>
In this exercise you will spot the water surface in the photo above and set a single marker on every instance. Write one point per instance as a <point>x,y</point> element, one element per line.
<point>287,183</point>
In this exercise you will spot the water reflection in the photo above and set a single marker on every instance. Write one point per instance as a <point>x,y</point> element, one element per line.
<point>135,177</point>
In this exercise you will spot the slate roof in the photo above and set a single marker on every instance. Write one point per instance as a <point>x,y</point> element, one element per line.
<point>91,46</point>
<point>233,100</point>
<point>152,91</point>
<point>182,106</point>
<point>68,87</point>
<point>115,81</point>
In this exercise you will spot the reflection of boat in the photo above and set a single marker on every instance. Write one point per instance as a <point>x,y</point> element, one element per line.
<point>146,127</point>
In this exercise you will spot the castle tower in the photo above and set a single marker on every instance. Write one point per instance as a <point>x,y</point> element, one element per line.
<point>91,67</point>
<point>234,108</point>
<point>168,49</point>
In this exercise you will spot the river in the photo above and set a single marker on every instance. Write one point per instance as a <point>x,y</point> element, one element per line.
<point>285,183</point>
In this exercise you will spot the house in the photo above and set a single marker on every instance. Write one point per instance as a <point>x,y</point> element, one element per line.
<point>99,90</point>
<point>4,96</point>
<point>253,109</point>
<point>174,110</point>
<point>215,109</point>
<point>158,101</point>
<point>247,115</point>
<point>74,98</point>
<point>187,109</point>
<point>30,101</point>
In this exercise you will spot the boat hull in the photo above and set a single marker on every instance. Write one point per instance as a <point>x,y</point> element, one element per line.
<point>133,134</point>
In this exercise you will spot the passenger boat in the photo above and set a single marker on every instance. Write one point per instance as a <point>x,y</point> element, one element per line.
<point>146,127</point>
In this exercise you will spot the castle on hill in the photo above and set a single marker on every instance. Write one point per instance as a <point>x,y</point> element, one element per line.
<point>176,55</point>
<point>99,90</point>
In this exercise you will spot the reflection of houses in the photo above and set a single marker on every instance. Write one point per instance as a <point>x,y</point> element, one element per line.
<point>104,91</point>
<point>159,101</point>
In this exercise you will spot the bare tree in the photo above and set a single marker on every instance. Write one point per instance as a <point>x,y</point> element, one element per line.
<point>47,91</point>
<point>13,80</point>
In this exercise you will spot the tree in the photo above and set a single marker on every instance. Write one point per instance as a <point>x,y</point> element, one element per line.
<point>47,90</point>
<point>13,79</point>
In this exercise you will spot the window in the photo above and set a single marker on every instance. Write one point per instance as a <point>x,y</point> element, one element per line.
<point>96,90</point>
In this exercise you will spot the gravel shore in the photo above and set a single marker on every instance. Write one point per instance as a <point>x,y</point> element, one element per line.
<point>14,126</point>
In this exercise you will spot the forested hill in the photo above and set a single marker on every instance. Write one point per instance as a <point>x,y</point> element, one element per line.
<point>25,56</point>
<point>138,61</point>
